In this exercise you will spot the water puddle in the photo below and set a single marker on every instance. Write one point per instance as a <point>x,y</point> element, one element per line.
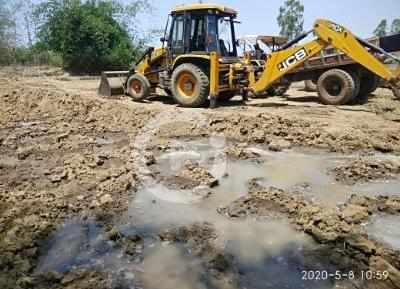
<point>305,171</point>
<point>170,268</point>
<point>265,249</point>
<point>263,253</point>
<point>79,244</point>
<point>261,249</point>
<point>309,173</point>
<point>286,170</point>
<point>72,245</point>
<point>385,228</point>
<point>382,188</point>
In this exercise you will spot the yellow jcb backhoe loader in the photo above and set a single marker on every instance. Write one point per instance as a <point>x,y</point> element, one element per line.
<point>198,62</point>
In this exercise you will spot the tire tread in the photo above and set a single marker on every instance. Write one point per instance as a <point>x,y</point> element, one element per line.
<point>204,85</point>
<point>349,87</point>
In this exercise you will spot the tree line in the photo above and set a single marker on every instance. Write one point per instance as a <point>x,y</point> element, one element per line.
<point>94,35</point>
<point>383,28</point>
<point>81,35</point>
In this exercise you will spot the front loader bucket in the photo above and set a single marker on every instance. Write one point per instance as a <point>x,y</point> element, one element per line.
<point>112,83</point>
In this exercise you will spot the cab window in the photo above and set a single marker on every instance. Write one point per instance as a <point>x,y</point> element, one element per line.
<point>177,35</point>
<point>225,40</point>
<point>198,34</point>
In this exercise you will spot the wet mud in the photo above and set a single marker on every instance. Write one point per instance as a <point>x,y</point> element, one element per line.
<point>108,193</point>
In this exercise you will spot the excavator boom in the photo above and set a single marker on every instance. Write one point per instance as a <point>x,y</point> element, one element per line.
<point>328,33</point>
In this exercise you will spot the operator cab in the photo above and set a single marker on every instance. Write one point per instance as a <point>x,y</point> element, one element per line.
<point>202,29</point>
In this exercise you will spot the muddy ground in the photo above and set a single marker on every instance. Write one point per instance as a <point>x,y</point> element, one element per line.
<point>68,154</point>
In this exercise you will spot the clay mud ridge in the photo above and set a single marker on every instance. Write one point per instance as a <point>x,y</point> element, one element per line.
<point>366,169</point>
<point>341,231</point>
<point>65,153</point>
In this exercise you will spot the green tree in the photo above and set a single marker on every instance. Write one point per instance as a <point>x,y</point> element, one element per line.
<point>290,19</point>
<point>90,35</point>
<point>7,26</point>
<point>395,26</point>
<point>4,22</point>
<point>381,29</point>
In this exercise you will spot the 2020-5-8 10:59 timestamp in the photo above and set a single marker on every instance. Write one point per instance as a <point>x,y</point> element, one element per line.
<point>339,275</point>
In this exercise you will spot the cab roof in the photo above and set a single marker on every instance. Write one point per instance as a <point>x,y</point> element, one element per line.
<point>204,6</point>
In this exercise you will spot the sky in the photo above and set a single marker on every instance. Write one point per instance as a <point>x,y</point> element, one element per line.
<point>259,16</point>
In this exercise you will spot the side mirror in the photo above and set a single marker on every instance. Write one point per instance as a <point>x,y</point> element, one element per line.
<point>163,39</point>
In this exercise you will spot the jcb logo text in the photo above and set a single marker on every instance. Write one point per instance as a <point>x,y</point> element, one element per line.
<point>337,28</point>
<point>293,59</point>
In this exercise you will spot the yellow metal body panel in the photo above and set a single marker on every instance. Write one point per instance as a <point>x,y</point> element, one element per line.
<point>183,56</point>
<point>214,74</point>
<point>329,34</point>
<point>397,74</point>
<point>204,6</point>
<point>231,76</point>
<point>342,39</point>
<point>280,63</point>
<point>145,65</point>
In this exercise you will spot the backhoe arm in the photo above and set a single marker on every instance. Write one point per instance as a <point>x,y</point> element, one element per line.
<point>280,63</point>
<point>329,34</point>
<point>343,40</point>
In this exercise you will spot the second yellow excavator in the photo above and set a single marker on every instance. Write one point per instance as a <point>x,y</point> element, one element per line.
<point>198,62</point>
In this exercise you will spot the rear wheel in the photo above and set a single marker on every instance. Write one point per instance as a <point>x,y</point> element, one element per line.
<point>357,86</point>
<point>138,87</point>
<point>336,87</point>
<point>190,85</point>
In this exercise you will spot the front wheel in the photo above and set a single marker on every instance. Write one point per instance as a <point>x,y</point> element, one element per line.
<point>138,87</point>
<point>190,85</point>
<point>336,87</point>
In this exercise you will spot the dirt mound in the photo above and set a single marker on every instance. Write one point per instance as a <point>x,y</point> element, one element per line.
<point>339,229</point>
<point>386,105</point>
<point>282,132</point>
<point>61,155</point>
<point>366,169</point>
<point>66,152</point>
<point>191,176</point>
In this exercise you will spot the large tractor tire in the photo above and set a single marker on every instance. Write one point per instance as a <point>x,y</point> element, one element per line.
<point>336,87</point>
<point>190,85</point>
<point>138,87</point>
<point>369,82</point>
<point>357,86</point>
